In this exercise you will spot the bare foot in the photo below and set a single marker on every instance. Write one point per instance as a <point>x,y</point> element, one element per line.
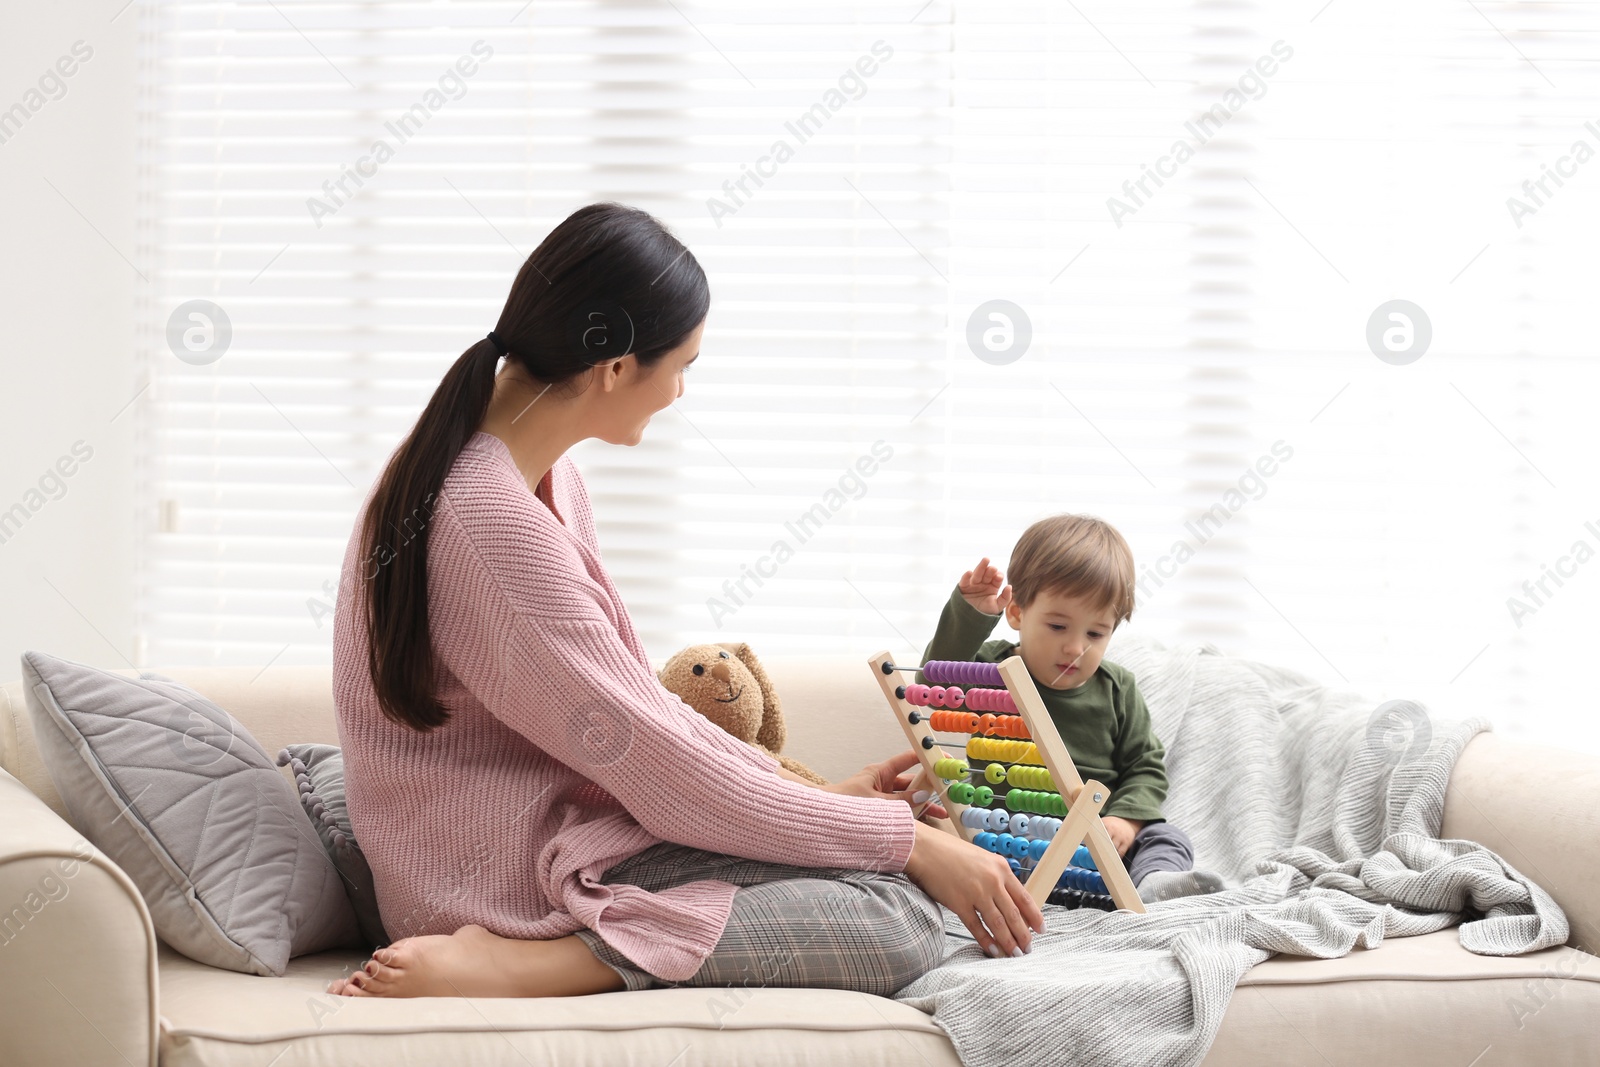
<point>472,962</point>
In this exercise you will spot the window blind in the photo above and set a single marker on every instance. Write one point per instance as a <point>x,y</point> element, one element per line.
<point>889,201</point>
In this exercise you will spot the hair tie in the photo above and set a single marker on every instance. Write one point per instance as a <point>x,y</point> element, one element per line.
<point>499,345</point>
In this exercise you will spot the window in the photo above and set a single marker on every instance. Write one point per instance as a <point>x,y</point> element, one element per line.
<point>1192,324</point>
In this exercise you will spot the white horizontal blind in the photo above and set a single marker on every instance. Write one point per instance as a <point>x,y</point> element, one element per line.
<point>977,162</point>
<point>823,314</point>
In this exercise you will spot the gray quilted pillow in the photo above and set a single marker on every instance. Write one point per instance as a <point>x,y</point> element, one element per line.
<point>319,776</point>
<point>185,801</point>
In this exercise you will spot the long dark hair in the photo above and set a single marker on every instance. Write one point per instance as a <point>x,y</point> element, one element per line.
<point>608,281</point>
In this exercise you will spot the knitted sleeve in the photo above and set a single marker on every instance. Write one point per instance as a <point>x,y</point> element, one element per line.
<point>522,627</point>
<point>1139,756</point>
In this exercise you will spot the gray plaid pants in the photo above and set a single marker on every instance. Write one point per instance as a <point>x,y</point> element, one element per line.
<point>820,928</point>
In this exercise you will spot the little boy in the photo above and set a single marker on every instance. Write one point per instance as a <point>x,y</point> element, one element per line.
<point>1072,583</point>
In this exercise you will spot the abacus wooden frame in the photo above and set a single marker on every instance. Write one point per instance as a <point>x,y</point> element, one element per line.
<point>1082,825</point>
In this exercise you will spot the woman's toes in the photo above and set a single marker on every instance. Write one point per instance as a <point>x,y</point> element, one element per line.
<point>401,954</point>
<point>345,987</point>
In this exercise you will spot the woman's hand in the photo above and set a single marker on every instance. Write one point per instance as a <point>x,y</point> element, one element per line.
<point>979,887</point>
<point>890,780</point>
<point>985,589</point>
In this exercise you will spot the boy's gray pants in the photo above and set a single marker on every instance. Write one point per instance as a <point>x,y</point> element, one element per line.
<point>1158,846</point>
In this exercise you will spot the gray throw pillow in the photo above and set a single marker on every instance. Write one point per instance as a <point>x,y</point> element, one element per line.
<point>184,800</point>
<point>319,776</point>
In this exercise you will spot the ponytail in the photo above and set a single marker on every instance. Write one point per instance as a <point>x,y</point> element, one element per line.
<point>399,641</point>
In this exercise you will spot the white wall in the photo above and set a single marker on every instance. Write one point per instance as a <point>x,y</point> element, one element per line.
<point>67,297</point>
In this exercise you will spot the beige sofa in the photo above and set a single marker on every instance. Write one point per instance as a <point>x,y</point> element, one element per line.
<point>83,980</point>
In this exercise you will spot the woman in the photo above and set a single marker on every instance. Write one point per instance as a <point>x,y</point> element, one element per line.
<point>541,816</point>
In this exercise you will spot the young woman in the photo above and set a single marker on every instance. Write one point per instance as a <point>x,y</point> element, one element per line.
<point>541,816</point>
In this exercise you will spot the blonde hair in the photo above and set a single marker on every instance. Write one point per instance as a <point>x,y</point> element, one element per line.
<point>1078,556</point>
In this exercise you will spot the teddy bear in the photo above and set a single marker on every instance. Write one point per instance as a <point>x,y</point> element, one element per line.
<point>726,683</point>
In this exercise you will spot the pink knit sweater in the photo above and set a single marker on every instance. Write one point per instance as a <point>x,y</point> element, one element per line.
<point>563,754</point>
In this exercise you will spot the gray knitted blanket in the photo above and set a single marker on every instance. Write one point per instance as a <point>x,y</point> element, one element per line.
<point>1322,812</point>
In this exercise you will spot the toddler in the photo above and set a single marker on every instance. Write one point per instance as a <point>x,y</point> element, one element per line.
<point>1072,583</point>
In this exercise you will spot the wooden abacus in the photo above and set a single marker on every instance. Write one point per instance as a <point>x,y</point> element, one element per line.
<point>1011,734</point>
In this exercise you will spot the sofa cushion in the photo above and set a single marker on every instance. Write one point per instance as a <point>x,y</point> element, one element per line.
<point>213,1018</point>
<point>1416,999</point>
<point>186,802</point>
<point>319,778</point>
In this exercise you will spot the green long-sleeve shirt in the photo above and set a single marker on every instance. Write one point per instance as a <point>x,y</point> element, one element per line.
<point>1103,722</point>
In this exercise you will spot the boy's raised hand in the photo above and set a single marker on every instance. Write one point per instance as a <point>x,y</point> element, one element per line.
<point>985,589</point>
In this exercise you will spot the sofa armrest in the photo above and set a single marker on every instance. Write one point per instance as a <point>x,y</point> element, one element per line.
<point>77,951</point>
<point>1539,808</point>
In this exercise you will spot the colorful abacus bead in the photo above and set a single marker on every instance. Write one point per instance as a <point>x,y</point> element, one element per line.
<point>1028,777</point>
<point>974,818</point>
<point>1086,881</point>
<point>960,672</point>
<point>1025,800</point>
<point>986,841</point>
<point>983,796</point>
<point>961,792</point>
<point>991,700</point>
<point>953,722</point>
<point>994,774</point>
<point>950,769</point>
<point>1081,858</point>
<point>1037,849</point>
<point>1019,824</point>
<point>1075,898</point>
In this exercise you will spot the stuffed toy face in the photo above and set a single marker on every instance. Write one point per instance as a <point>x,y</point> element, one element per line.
<point>726,684</point>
